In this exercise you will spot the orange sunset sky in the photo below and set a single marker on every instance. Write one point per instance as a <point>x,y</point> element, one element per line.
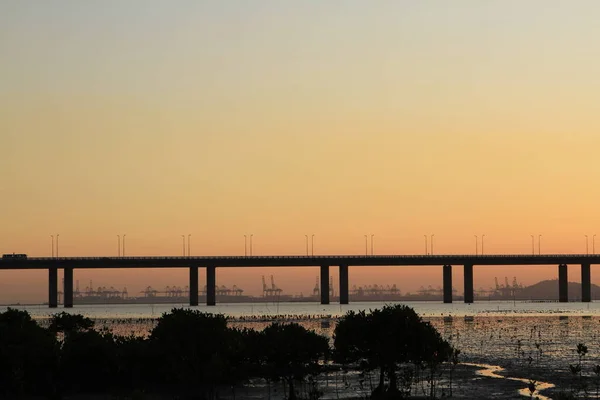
<point>217,119</point>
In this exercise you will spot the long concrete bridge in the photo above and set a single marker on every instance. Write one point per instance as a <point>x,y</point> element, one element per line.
<point>69,264</point>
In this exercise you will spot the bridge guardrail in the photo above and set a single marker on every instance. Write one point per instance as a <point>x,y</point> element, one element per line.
<point>321,257</point>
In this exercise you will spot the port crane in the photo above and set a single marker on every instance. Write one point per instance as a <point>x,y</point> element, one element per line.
<point>271,291</point>
<point>507,290</point>
<point>376,290</point>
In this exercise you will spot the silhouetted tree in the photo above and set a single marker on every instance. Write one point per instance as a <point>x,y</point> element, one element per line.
<point>28,356</point>
<point>88,362</point>
<point>66,323</point>
<point>386,338</point>
<point>434,350</point>
<point>245,355</point>
<point>191,350</point>
<point>292,352</point>
<point>134,363</point>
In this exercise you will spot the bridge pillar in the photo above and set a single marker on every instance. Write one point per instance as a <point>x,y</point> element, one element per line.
<point>52,287</point>
<point>343,284</point>
<point>68,289</point>
<point>447,269</point>
<point>325,284</point>
<point>193,286</point>
<point>563,284</point>
<point>586,283</point>
<point>211,281</point>
<point>468,275</point>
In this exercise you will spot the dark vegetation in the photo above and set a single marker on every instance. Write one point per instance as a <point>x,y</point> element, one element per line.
<point>197,356</point>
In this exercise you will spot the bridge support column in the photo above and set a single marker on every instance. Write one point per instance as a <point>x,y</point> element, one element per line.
<point>447,283</point>
<point>52,287</point>
<point>468,275</point>
<point>211,282</point>
<point>563,284</point>
<point>193,286</point>
<point>325,284</point>
<point>68,289</point>
<point>586,283</point>
<point>343,284</point>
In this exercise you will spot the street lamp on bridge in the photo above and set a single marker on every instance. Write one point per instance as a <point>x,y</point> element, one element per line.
<point>540,244</point>
<point>532,246</point>
<point>476,243</point>
<point>306,236</point>
<point>372,236</point>
<point>246,237</point>
<point>367,244</point>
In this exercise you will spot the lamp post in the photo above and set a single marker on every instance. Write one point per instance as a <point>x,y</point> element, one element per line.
<point>431,243</point>
<point>189,248</point>
<point>586,245</point>
<point>306,236</point>
<point>52,236</point>
<point>312,245</point>
<point>540,245</point>
<point>482,236</point>
<point>183,244</point>
<point>475,244</point>
<point>425,244</point>
<point>372,243</point>
<point>532,246</point>
<point>123,252</point>
<point>118,245</point>
<point>57,235</point>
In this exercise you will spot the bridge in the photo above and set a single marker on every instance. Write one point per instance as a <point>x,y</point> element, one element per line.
<point>211,263</point>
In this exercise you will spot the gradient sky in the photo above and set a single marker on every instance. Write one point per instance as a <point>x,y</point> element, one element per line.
<point>280,119</point>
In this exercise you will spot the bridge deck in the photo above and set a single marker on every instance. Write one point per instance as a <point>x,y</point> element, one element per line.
<point>295,261</point>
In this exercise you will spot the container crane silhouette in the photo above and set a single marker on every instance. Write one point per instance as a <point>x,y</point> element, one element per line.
<point>275,290</point>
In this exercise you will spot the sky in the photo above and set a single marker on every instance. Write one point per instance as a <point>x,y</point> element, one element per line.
<point>280,119</point>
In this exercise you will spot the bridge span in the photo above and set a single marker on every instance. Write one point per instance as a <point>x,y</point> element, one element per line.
<point>211,263</point>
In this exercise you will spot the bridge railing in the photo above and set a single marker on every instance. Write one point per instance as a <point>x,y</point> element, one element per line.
<point>318,257</point>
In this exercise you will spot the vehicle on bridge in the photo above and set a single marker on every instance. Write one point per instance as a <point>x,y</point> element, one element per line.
<point>14,256</point>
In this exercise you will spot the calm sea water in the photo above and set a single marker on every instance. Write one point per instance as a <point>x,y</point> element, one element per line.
<point>424,308</point>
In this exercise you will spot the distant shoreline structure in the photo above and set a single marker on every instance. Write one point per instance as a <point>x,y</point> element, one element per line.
<point>541,292</point>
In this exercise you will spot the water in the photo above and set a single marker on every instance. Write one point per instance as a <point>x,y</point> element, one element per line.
<point>492,371</point>
<point>424,308</point>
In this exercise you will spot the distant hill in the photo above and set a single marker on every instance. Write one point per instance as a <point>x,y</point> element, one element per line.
<point>548,290</point>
